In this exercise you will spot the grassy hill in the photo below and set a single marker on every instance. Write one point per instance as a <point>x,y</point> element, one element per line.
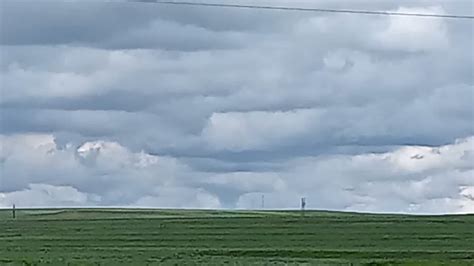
<point>188,237</point>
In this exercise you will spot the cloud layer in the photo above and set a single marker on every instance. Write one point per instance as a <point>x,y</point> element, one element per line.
<point>134,104</point>
<point>407,179</point>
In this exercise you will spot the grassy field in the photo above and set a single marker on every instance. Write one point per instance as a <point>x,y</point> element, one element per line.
<point>182,237</point>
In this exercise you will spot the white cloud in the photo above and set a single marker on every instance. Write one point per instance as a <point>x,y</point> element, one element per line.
<point>256,130</point>
<point>414,34</point>
<point>419,159</point>
<point>35,172</point>
<point>43,195</point>
<point>407,179</point>
<point>249,181</point>
<point>102,167</point>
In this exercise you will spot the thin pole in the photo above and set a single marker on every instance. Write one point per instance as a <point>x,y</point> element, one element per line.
<point>303,205</point>
<point>14,211</point>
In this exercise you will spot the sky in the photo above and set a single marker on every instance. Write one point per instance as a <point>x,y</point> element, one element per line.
<point>145,105</point>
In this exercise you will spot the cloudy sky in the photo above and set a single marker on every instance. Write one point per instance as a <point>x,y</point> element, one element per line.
<point>138,104</point>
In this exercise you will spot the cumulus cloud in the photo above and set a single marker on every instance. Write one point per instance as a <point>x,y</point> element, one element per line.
<point>407,179</point>
<point>43,195</point>
<point>257,130</point>
<point>140,104</point>
<point>107,169</point>
<point>421,179</point>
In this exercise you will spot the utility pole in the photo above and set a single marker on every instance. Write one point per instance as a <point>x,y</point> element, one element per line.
<point>263,201</point>
<point>14,212</point>
<point>303,204</point>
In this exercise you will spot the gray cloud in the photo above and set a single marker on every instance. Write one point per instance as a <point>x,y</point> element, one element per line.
<point>406,179</point>
<point>237,102</point>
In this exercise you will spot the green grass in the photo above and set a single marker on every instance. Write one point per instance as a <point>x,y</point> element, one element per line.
<point>189,237</point>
